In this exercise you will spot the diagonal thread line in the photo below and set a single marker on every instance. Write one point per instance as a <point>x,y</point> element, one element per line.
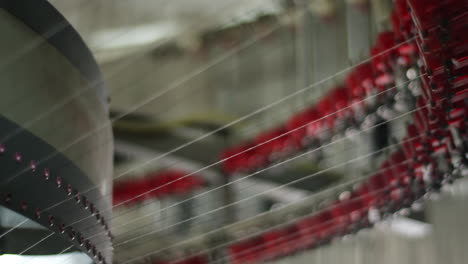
<point>261,193</point>
<point>251,175</point>
<point>281,224</point>
<point>244,117</point>
<point>229,157</point>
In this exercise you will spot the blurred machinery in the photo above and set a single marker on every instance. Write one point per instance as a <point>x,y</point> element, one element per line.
<point>318,131</point>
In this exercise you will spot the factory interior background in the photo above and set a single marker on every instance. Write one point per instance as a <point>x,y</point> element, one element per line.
<point>234,131</point>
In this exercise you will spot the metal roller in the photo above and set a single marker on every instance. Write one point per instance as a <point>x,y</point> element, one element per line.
<point>56,142</point>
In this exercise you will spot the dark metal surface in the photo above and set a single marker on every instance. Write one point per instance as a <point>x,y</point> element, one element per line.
<point>34,188</point>
<point>20,239</point>
<point>45,20</point>
<point>38,181</point>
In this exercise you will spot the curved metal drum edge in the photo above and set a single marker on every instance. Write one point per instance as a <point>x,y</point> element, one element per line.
<point>45,62</point>
<point>52,192</point>
<point>46,21</point>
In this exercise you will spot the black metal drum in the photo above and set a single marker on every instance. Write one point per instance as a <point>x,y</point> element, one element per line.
<point>55,137</point>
